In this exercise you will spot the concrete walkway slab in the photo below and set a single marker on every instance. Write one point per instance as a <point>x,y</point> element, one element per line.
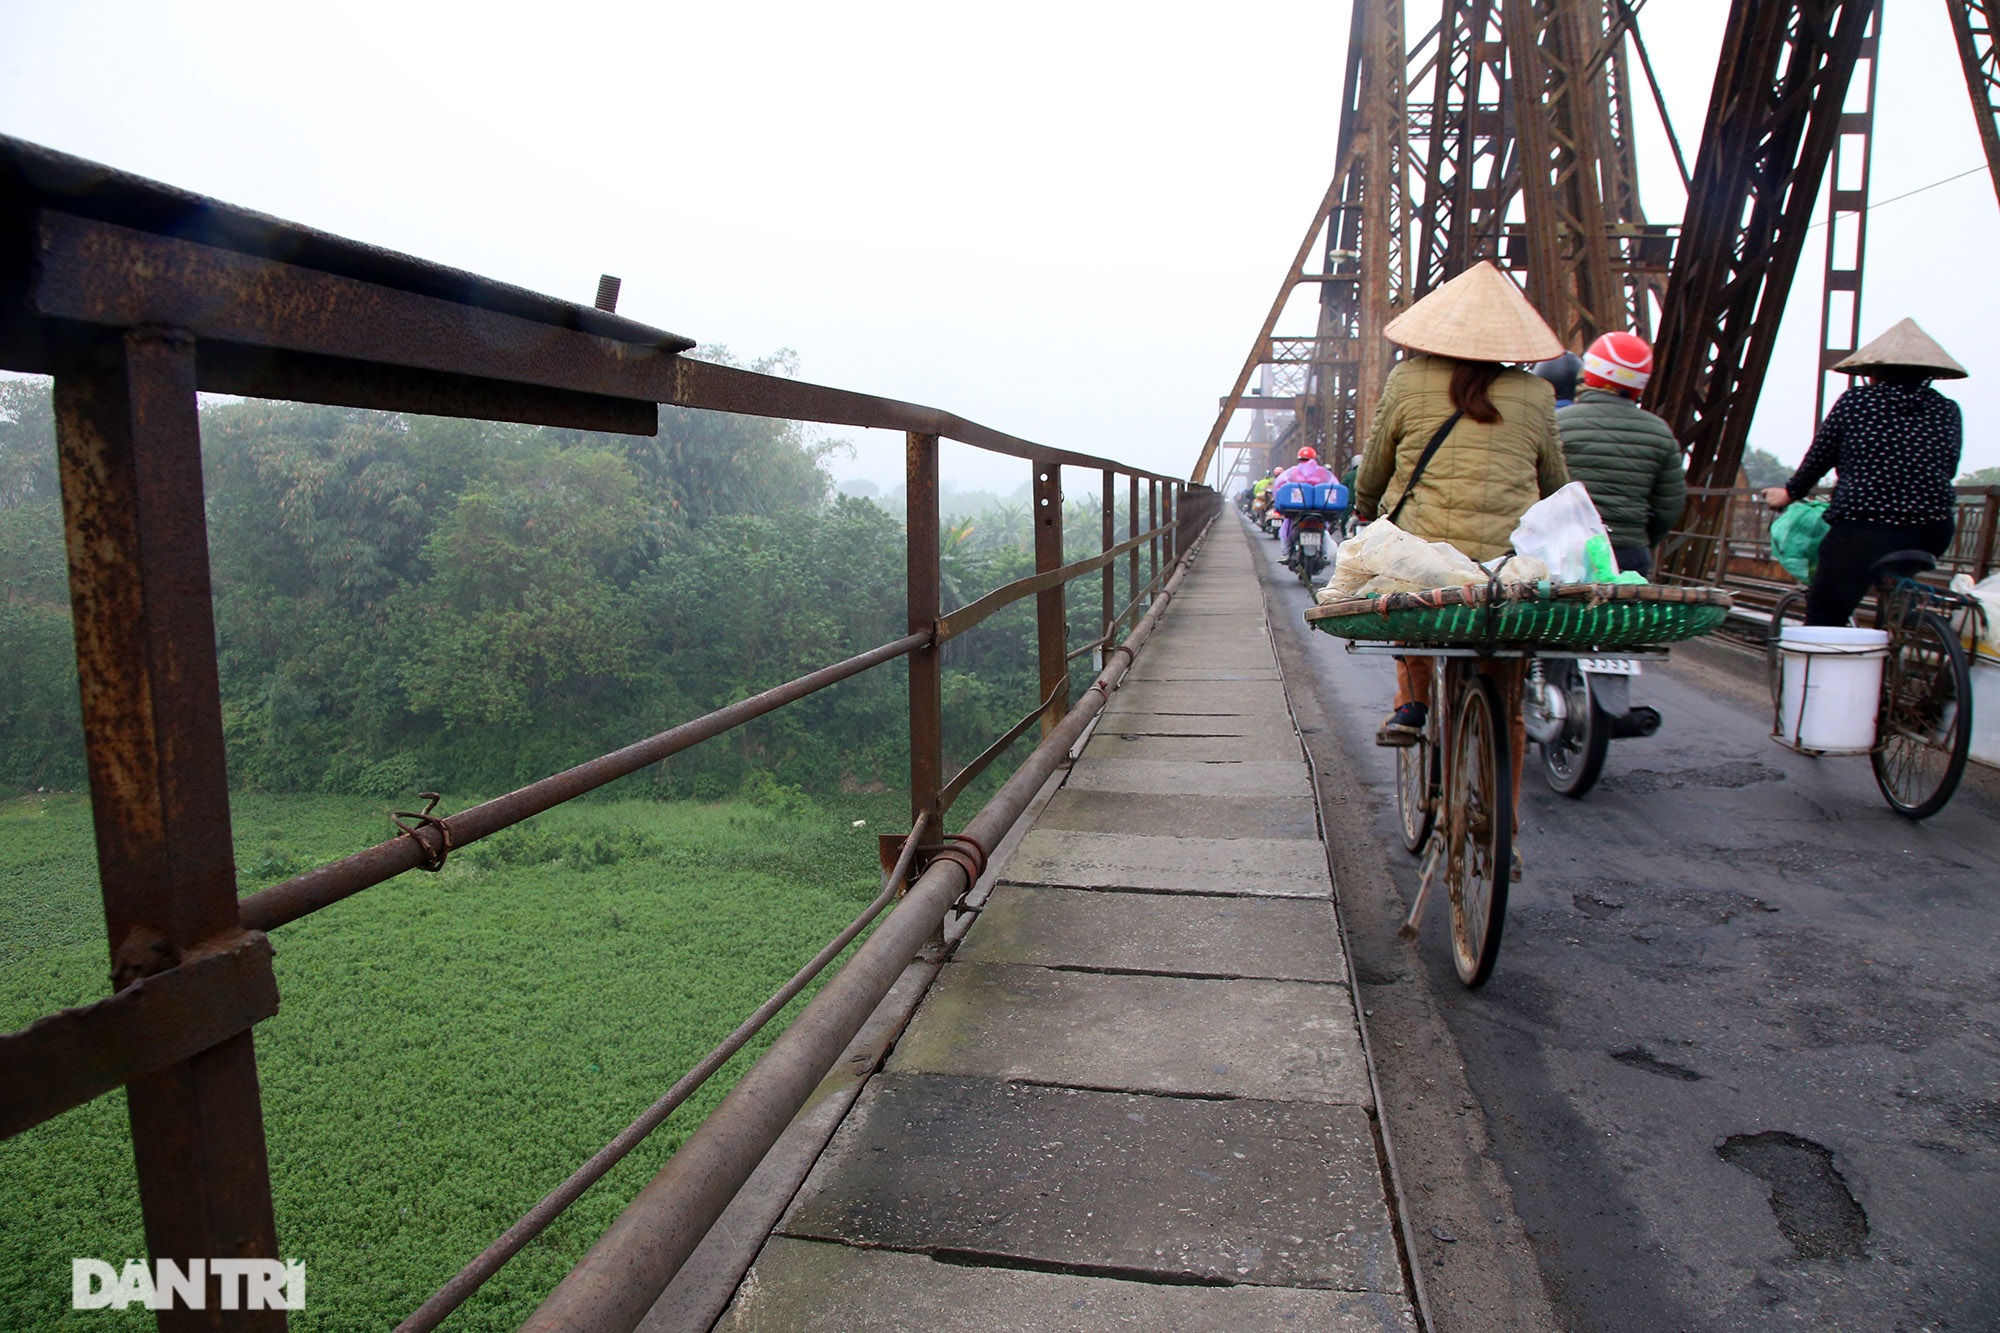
<point>1143,777</point>
<point>1293,1041</point>
<point>1267,1193</point>
<point>1223,817</point>
<point>1269,727</point>
<point>1282,939</point>
<point>808,1287</point>
<point>1257,867</point>
<point>1193,696</point>
<point>1185,749</point>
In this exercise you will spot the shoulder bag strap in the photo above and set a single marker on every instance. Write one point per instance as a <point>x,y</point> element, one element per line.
<point>1423,462</point>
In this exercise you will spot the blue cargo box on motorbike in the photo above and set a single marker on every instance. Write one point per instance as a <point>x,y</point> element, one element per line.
<point>1327,497</point>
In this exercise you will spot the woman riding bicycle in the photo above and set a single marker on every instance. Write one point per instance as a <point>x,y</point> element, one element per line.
<point>1461,446</point>
<point>1894,444</point>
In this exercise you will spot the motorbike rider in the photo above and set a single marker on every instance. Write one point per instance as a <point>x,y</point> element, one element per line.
<point>1626,457</point>
<point>1260,492</point>
<point>1308,472</point>
<point>1561,373</point>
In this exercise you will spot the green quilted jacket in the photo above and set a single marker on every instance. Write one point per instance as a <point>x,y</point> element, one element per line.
<point>1629,461</point>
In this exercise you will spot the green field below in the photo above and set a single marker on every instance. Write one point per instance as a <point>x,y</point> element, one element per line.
<point>449,1046</point>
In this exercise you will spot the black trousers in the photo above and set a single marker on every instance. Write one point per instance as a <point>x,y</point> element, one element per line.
<point>1845,557</point>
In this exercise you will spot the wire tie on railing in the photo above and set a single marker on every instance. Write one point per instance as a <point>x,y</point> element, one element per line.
<point>433,859</point>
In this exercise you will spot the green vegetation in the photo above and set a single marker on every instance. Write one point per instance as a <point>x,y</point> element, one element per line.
<point>1985,476</point>
<point>450,1046</point>
<point>406,604</point>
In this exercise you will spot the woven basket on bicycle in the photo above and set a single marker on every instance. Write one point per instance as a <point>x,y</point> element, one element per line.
<point>1565,615</point>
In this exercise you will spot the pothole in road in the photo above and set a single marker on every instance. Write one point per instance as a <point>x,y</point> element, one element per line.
<point>1638,1057</point>
<point>1810,1200</point>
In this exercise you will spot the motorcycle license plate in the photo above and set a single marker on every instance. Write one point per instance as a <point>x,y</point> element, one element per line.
<point>1608,666</point>
<point>1309,542</point>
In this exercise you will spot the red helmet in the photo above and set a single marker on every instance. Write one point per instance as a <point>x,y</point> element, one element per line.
<point>1618,361</point>
<point>1308,454</point>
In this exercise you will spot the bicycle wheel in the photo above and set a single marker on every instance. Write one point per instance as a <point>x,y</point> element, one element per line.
<point>1792,603</point>
<point>1480,832</point>
<point>1924,725</point>
<point>1416,790</point>
<point>1573,760</point>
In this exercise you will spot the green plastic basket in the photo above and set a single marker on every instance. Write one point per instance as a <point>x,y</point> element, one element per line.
<point>1570,615</point>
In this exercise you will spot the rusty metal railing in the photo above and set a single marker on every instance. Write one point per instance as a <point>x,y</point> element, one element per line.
<point>1736,552</point>
<point>135,296</point>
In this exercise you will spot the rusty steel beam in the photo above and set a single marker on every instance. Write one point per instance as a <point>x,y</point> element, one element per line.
<point>1051,620</point>
<point>1972,24</point>
<point>1847,175</point>
<point>921,554</point>
<point>222,988</point>
<point>129,450</point>
<point>1780,85</point>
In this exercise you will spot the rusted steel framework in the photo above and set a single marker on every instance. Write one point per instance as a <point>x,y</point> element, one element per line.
<point>1780,87</point>
<point>1972,24</point>
<point>1503,133</point>
<point>135,296</point>
<point>1847,176</point>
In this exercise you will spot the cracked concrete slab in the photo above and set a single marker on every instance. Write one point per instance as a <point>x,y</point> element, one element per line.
<point>1282,939</point>
<point>1246,777</point>
<point>1292,1041</point>
<point>1226,818</point>
<point>1185,749</point>
<point>1259,867</point>
<point>1242,1191</point>
<point>1231,699</point>
<point>814,1287</point>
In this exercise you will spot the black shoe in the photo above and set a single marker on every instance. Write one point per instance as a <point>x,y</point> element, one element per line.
<point>1404,727</point>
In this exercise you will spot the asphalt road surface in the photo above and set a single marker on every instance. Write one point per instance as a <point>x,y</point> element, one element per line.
<point>1739,1063</point>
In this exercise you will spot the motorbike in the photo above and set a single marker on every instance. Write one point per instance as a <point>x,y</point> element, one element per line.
<point>1311,553</point>
<point>1573,708</point>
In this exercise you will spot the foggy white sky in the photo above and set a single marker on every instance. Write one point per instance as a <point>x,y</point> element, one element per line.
<point>1062,220</point>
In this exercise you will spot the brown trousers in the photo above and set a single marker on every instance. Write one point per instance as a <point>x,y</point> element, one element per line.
<point>1413,685</point>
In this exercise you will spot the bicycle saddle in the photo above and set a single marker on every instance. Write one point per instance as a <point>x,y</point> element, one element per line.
<point>1902,565</point>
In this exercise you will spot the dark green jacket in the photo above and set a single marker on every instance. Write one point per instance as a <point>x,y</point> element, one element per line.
<point>1630,463</point>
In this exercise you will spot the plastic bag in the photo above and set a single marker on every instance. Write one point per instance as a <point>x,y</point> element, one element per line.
<point>1557,530</point>
<point>1795,537</point>
<point>1987,593</point>
<point>1384,558</point>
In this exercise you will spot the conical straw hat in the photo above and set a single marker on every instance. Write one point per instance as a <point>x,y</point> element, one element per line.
<point>1478,316</point>
<point>1903,345</point>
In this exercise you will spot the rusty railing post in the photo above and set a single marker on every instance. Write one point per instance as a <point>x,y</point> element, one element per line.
<point>1110,607</point>
<point>1989,519</point>
<point>1176,539</point>
<point>1132,531</point>
<point>129,444</point>
<point>1051,637</point>
<point>1153,521</point>
<point>922,558</point>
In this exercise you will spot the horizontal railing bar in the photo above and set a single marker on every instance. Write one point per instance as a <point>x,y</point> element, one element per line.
<point>965,776</point>
<point>536,1220</point>
<point>963,619</point>
<point>307,893</point>
<point>718,388</point>
<point>74,1055</point>
<point>616,1283</point>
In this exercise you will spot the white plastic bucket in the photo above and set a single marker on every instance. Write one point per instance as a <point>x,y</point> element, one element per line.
<point>1832,685</point>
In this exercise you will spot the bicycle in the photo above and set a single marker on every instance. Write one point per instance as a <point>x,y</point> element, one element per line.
<point>1460,813</point>
<point>1923,714</point>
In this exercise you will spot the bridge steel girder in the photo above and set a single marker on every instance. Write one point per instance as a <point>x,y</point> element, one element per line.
<point>1776,107</point>
<point>1972,23</point>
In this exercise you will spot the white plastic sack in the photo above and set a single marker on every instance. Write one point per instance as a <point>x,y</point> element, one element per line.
<point>1987,591</point>
<point>1384,558</point>
<point>1556,529</point>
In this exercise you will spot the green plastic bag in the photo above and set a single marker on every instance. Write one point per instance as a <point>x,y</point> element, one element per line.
<point>1795,537</point>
